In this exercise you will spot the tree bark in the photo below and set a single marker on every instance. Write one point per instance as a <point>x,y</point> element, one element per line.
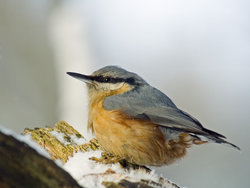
<point>22,166</point>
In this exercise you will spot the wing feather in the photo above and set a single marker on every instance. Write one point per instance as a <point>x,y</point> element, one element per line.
<point>148,102</point>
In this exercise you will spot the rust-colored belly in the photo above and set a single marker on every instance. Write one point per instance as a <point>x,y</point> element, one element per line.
<point>137,141</point>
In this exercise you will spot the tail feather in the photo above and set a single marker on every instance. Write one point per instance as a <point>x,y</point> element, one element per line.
<point>213,133</point>
<point>215,139</point>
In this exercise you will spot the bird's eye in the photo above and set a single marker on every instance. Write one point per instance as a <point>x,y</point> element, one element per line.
<point>107,79</point>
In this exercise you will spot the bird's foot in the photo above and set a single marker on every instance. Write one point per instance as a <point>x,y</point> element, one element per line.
<point>127,165</point>
<point>106,158</point>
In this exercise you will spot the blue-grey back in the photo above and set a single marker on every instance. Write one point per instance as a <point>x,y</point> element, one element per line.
<point>139,97</point>
<point>147,102</point>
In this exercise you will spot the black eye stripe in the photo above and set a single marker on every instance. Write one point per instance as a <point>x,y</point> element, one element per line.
<point>107,79</point>
<point>113,80</point>
<point>130,81</point>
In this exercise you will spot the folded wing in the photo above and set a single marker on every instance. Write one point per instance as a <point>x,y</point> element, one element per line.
<point>151,104</point>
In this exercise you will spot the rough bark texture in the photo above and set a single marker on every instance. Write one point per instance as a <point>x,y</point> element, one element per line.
<point>22,166</point>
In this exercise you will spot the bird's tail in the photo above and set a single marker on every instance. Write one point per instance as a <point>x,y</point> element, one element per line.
<point>215,137</point>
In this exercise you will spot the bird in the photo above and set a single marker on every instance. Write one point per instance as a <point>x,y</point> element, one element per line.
<point>137,122</point>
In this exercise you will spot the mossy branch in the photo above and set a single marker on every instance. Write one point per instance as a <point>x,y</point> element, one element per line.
<point>22,166</point>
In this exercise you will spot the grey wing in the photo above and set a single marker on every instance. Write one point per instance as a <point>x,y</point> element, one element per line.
<point>149,103</point>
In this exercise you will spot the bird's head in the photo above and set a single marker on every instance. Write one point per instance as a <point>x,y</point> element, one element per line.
<point>110,80</point>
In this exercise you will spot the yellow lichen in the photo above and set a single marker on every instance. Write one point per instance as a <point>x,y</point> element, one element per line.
<point>55,147</point>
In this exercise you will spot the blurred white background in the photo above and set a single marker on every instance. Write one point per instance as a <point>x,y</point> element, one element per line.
<point>196,51</point>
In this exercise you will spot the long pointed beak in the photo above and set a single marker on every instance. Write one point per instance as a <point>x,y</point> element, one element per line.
<point>85,78</point>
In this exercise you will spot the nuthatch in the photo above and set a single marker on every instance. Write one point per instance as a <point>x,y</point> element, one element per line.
<point>137,122</point>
